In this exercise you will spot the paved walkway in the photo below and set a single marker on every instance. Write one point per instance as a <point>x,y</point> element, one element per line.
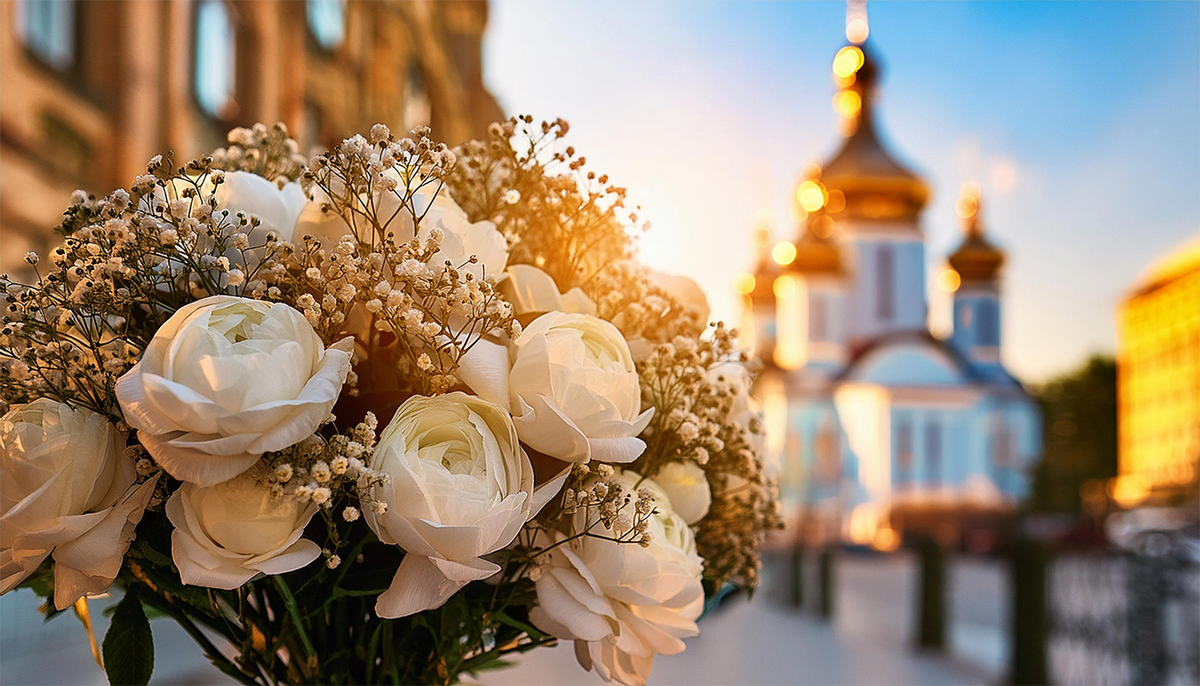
<point>759,642</point>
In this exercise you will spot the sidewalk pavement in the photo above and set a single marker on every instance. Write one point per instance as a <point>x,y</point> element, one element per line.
<point>764,642</point>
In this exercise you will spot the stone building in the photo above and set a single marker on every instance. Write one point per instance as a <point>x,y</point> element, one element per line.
<point>881,427</point>
<point>1158,383</point>
<point>92,90</point>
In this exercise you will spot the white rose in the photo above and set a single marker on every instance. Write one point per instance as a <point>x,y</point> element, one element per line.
<point>460,237</point>
<point>572,387</point>
<point>226,379</point>
<point>460,487</point>
<point>687,488</point>
<point>227,534</point>
<point>67,489</point>
<point>621,603</point>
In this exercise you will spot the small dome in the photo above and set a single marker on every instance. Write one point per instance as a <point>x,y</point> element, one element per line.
<point>766,271</point>
<point>816,253</point>
<point>976,259</point>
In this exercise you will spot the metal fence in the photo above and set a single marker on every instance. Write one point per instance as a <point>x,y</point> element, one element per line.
<point>1123,619</point>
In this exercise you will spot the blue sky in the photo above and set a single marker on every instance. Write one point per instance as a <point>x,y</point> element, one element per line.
<point>1081,122</point>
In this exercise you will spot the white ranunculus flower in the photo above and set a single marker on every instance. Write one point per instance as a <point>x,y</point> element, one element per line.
<point>531,290</point>
<point>745,406</point>
<point>685,290</point>
<point>621,603</point>
<point>460,237</point>
<point>227,534</point>
<point>277,209</point>
<point>460,487</point>
<point>226,379</point>
<point>687,488</point>
<point>67,490</point>
<point>572,387</point>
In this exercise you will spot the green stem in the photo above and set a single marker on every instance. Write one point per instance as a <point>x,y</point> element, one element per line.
<point>290,602</point>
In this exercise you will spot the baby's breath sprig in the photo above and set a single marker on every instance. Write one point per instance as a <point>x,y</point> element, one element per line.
<point>692,422</point>
<point>266,151</point>
<point>557,215</point>
<point>332,472</point>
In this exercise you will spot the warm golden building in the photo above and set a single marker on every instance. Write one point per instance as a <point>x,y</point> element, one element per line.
<point>92,90</point>
<point>1158,367</point>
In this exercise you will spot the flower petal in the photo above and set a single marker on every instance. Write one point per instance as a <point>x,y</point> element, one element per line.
<point>417,586</point>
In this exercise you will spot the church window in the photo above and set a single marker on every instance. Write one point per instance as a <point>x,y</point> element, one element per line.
<point>933,452</point>
<point>47,28</point>
<point>817,319</point>
<point>885,279</point>
<point>989,326</point>
<point>904,451</point>
<point>327,22</point>
<point>215,53</point>
<point>828,448</point>
<point>1004,454</point>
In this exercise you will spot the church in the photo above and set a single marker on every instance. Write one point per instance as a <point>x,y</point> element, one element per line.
<point>880,427</point>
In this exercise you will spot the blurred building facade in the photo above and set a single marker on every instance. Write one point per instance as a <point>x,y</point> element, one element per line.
<point>882,427</point>
<point>1158,382</point>
<point>92,90</point>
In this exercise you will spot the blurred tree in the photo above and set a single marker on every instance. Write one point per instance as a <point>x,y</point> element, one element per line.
<point>1079,410</point>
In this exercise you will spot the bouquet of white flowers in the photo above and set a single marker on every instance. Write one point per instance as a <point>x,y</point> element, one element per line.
<point>193,386</point>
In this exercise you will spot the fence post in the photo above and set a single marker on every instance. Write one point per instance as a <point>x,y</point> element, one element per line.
<point>931,630</point>
<point>826,576</point>
<point>798,573</point>
<point>1147,593</point>
<point>1029,625</point>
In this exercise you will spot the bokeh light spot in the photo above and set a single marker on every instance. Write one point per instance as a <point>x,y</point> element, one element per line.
<point>784,253</point>
<point>948,280</point>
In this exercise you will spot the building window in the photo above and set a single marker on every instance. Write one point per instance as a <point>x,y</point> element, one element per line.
<point>48,31</point>
<point>418,109</point>
<point>885,282</point>
<point>828,446</point>
<point>933,453</point>
<point>1004,448</point>
<point>327,22</point>
<point>904,452</point>
<point>216,59</point>
<point>989,325</point>
<point>817,319</point>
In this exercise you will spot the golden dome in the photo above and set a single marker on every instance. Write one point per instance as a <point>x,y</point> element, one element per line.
<point>816,252</point>
<point>762,290</point>
<point>976,259</point>
<point>874,184</point>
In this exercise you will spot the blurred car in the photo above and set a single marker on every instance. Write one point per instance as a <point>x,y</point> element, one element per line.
<point>1157,532</point>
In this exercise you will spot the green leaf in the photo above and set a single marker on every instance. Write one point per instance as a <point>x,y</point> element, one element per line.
<point>129,645</point>
<point>504,619</point>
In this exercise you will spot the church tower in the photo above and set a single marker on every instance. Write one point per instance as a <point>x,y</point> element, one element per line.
<point>977,300</point>
<point>821,284</point>
<point>758,290</point>
<point>875,203</point>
